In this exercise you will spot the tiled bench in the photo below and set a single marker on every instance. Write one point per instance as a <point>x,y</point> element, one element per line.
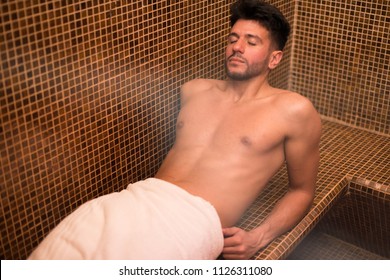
<point>346,154</point>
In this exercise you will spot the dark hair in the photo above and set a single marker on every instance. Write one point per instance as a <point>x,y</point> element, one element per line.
<point>266,15</point>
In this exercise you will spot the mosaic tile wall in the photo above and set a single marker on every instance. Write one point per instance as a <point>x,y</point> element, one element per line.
<point>341,60</point>
<point>89,96</point>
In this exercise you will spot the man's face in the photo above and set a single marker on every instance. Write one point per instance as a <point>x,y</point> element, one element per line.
<point>248,51</point>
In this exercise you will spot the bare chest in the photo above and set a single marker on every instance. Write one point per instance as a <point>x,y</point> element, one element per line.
<point>249,128</point>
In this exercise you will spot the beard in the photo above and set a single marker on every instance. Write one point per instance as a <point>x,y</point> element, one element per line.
<point>250,72</point>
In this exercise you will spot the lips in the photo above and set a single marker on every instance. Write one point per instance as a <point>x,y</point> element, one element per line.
<point>236,60</point>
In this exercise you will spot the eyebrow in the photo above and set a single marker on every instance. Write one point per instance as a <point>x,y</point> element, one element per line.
<point>234,34</point>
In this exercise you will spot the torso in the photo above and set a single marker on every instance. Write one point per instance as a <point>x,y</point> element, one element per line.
<point>226,152</point>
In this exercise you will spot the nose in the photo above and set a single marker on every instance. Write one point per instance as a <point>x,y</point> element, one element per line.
<point>239,46</point>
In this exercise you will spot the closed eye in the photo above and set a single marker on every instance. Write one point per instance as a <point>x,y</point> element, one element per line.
<point>232,38</point>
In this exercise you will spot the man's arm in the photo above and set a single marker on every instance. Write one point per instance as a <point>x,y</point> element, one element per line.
<point>302,159</point>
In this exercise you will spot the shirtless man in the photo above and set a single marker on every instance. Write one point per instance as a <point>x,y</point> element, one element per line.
<point>234,135</point>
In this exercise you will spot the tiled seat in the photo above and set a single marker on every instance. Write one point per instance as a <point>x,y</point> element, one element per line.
<point>346,154</point>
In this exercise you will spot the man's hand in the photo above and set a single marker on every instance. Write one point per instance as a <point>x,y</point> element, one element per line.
<point>240,244</point>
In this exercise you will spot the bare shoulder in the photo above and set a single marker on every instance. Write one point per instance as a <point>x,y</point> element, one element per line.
<point>199,85</point>
<point>300,113</point>
<point>296,106</point>
<point>199,88</point>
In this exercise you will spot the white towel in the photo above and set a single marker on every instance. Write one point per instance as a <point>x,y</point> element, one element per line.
<point>151,219</point>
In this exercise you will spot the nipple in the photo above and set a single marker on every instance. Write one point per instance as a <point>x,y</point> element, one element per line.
<point>180,124</point>
<point>246,141</point>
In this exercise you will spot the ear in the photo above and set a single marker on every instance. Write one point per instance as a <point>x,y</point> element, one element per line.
<point>275,58</point>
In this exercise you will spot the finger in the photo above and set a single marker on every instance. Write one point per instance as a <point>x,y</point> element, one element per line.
<point>234,250</point>
<point>232,240</point>
<point>228,257</point>
<point>230,231</point>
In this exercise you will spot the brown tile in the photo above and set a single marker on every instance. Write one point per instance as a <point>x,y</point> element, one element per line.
<point>84,86</point>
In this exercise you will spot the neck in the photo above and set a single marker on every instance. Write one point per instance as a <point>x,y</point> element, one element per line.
<point>249,89</point>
